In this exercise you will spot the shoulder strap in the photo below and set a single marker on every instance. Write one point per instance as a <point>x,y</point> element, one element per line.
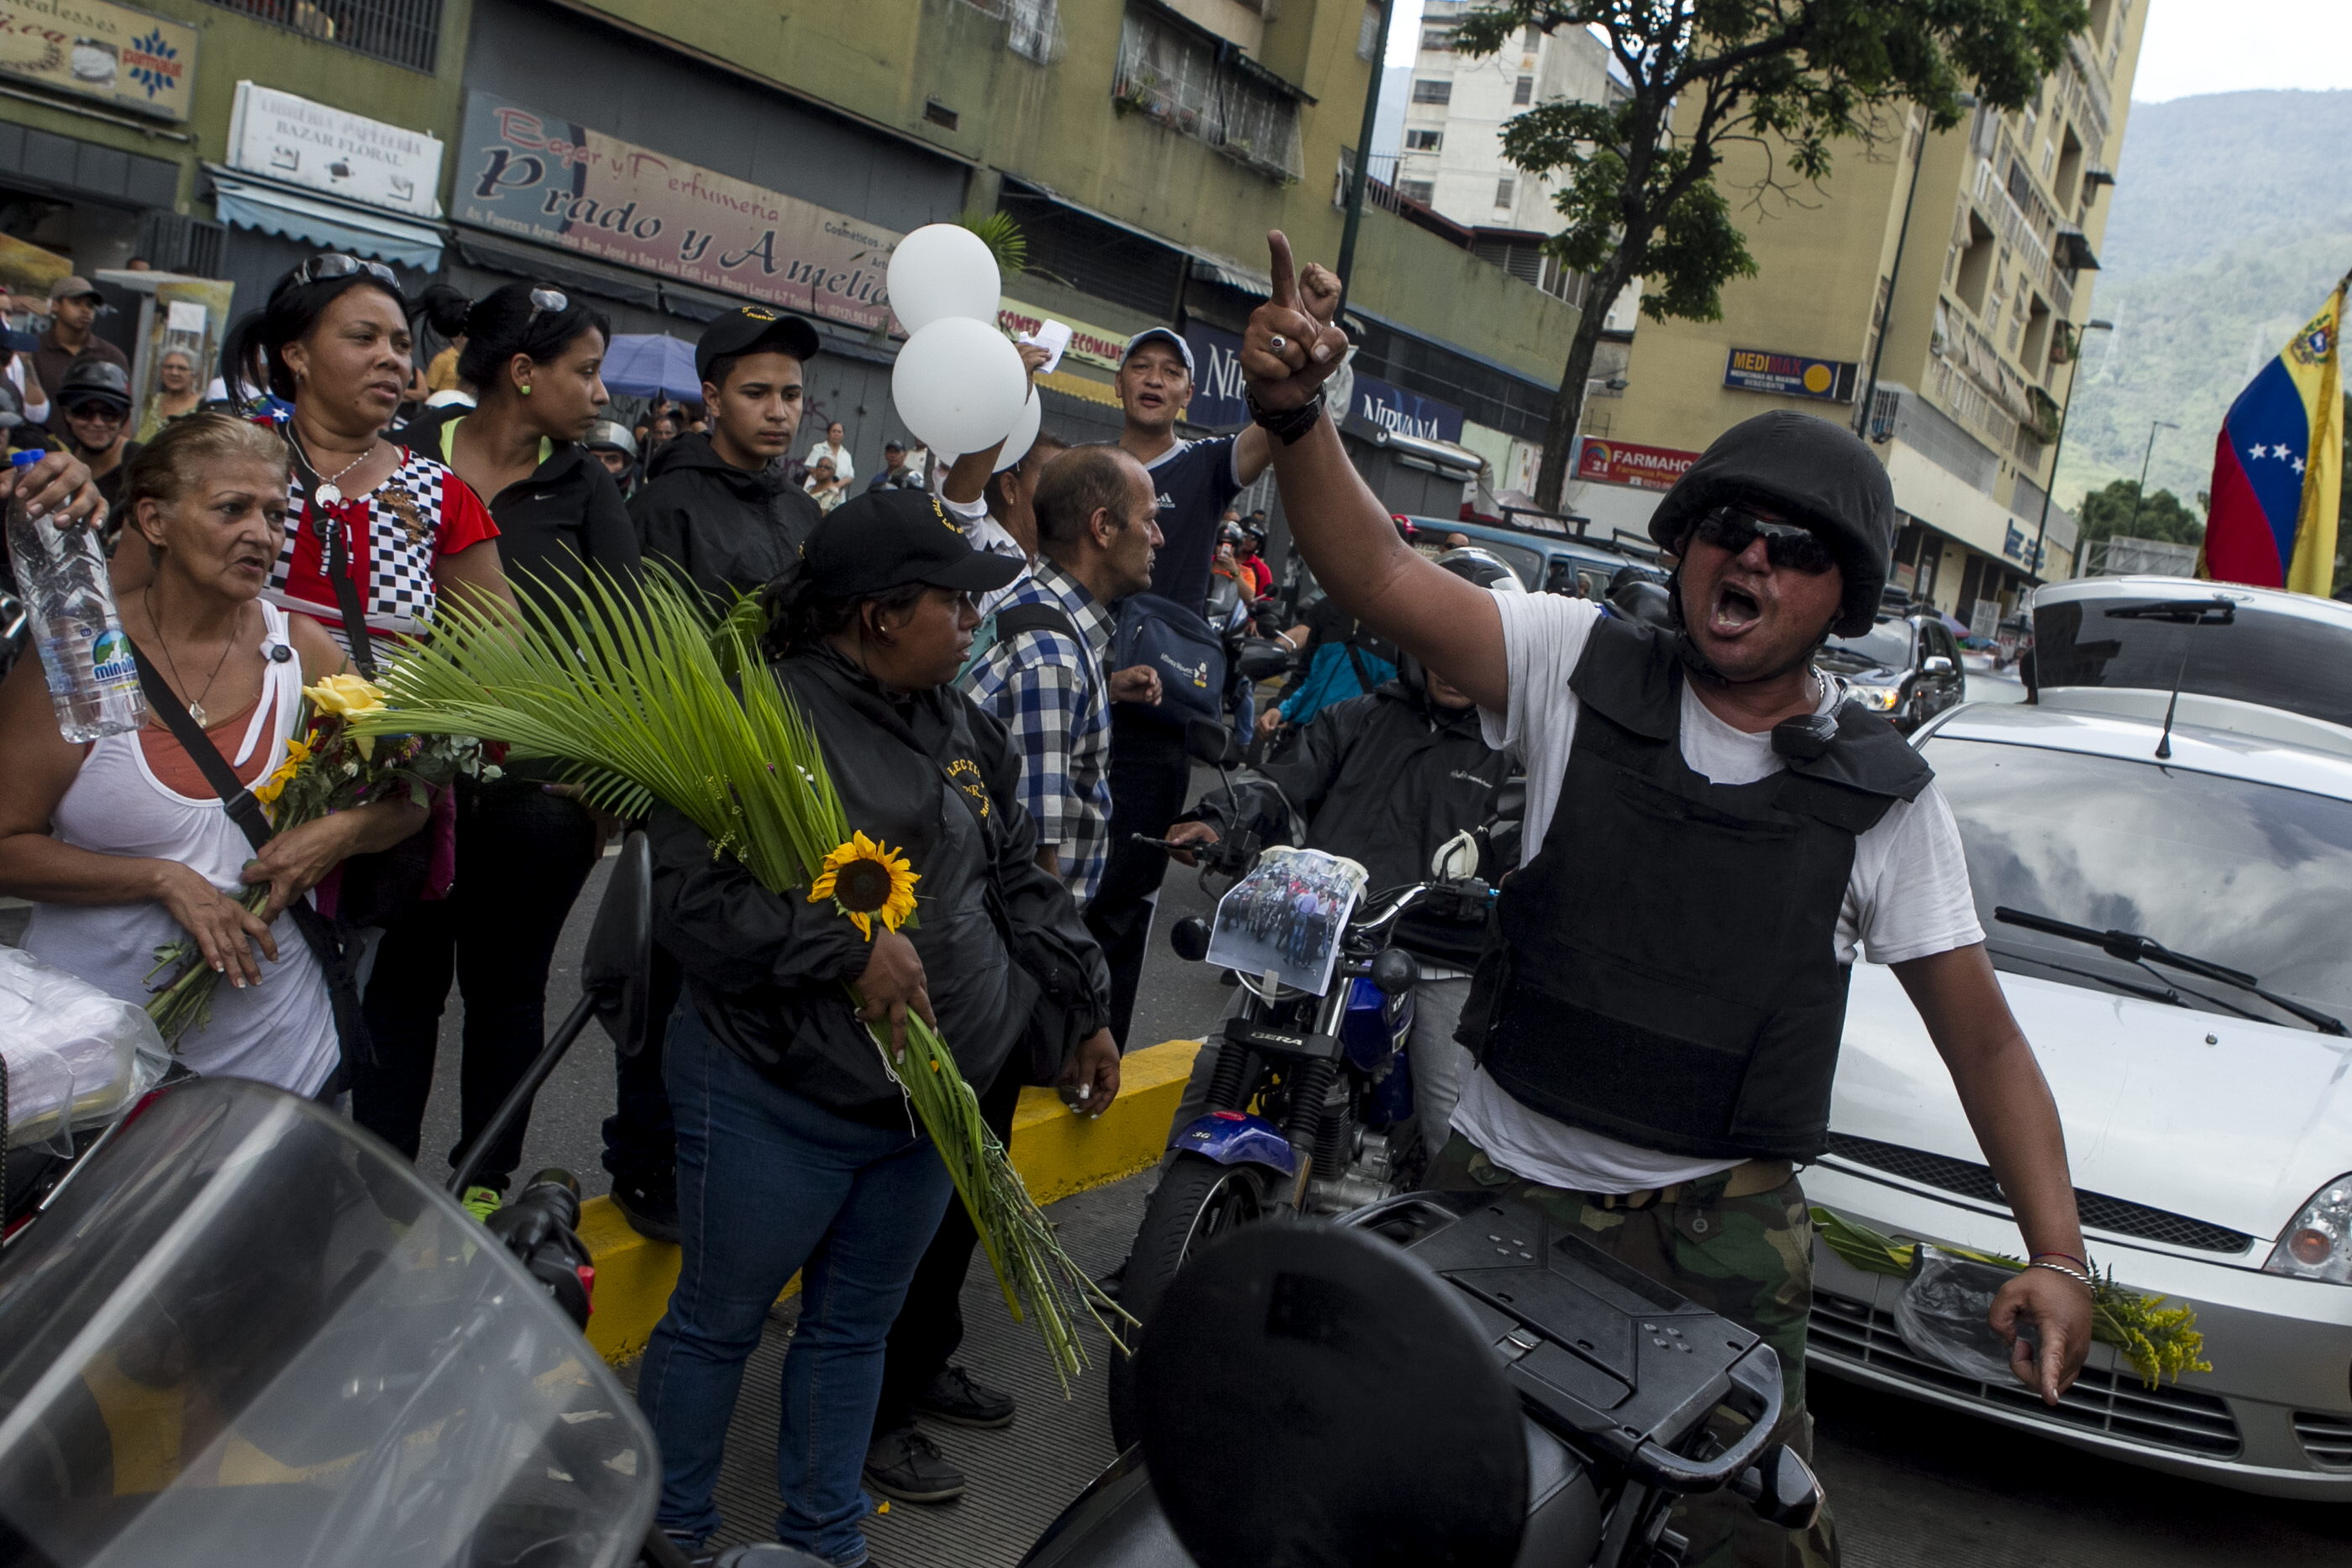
<point>318,935</point>
<point>339,567</point>
<point>1364,680</point>
<point>1013,620</point>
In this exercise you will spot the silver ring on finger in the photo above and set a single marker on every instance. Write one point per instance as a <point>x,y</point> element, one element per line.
<point>1277,342</point>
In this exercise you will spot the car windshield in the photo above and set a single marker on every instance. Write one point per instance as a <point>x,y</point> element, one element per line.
<point>2244,874</point>
<point>2262,656</point>
<point>1886,646</point>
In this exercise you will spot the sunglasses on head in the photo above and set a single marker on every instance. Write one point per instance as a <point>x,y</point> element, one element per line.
<point>1788,545</point>
<point>323,268</point>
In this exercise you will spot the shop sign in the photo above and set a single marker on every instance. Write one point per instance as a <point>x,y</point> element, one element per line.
<point>298,143</point>
<point>1217,382</point>
<point>94,49</point>
<point>1622,463</point>
<point>560,183</point>
<point>1406,412</point>
<point>1789,375</point>
<point>1088,345</point>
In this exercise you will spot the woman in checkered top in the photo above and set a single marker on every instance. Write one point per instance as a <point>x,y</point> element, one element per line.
<point>397,527</point>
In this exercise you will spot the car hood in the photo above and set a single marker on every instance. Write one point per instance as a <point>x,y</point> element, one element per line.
<point>1867,674</point>
<point>2219,1118</point>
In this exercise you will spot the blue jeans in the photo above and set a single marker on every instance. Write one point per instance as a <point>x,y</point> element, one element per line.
<point>770,1184</point>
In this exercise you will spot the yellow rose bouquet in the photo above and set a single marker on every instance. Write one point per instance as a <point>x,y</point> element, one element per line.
<point>329,766</point>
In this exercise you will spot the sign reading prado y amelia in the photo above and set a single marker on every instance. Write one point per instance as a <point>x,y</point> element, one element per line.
<point>550,180</point>
<point>132,59</point>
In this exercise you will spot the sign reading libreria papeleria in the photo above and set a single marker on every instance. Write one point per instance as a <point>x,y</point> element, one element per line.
<point>133,59</point>
<point>531,174</point>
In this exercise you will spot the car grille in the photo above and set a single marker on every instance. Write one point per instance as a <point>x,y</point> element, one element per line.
<point>2115,1403</point>
<point>2098,1209</point>
<point>2326,1438</point>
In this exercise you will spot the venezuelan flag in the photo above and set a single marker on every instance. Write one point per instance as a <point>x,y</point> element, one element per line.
<point>2278,466</point>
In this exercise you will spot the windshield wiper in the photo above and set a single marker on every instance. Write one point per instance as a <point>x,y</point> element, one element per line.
<point>2130,988</point>
<point>2134,948</point>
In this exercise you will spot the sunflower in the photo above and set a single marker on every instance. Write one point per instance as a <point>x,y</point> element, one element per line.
<point>864,880</point>
<point>298,752</point>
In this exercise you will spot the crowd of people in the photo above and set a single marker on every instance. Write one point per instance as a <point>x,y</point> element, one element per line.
<point>972,649</point>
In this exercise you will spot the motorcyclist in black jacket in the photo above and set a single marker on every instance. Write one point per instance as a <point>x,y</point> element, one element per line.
<point>795,1149</point>
<point>1387,780</point>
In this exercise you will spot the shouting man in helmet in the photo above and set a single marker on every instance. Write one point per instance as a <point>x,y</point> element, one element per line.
<point>1711,834</point>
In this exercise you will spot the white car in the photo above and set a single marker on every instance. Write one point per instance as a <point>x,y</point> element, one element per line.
<point>2209,1129</point>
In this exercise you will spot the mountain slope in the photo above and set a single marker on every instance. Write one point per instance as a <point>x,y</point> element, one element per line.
<point>2231,221</point>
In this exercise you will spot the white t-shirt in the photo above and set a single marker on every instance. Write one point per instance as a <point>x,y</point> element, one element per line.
<point>1908,897</point>
<point>989,535</point>
<point>844,469</point>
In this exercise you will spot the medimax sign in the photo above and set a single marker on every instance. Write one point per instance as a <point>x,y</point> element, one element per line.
<point>541,177</point>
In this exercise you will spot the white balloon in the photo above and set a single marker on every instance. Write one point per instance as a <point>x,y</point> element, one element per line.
<point>959,385</point>
<point>1023,435</point>
<point>942,271</point>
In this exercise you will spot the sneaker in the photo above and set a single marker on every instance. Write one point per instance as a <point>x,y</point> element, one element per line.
<point>956,1397</point>
<point>482,1202</point>
<point>651,1208</point>
<point>908,1466</point>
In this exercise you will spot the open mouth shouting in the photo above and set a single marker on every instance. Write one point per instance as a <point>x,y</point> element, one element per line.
<point>1736,609</point>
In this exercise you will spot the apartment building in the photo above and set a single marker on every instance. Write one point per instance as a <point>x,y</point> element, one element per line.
<point>670,162</point>
<point>1939,338</point>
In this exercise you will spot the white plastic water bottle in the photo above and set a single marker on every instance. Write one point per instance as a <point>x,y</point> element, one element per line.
<point>61,571</point>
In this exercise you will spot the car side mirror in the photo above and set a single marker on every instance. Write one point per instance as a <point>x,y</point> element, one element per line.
<point>1189,939</point>
<point>1935,665</point>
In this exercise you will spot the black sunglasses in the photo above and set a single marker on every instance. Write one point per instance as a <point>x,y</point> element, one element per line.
<point>1787,545</point>
<point>323,268</point>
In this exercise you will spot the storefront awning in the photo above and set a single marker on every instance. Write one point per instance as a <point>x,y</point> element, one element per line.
<point>327,223</point>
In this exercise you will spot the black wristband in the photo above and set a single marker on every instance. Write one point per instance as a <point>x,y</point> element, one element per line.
<point>1287,424</point>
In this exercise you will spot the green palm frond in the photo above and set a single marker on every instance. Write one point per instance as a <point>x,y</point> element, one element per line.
<point>644,696</point>
<point>1001,232</point>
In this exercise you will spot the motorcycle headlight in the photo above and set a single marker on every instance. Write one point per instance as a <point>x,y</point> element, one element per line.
<point>1882,698</point>
<point>2318,1244</point>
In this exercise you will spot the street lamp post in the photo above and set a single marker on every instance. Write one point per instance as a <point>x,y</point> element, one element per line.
<point>2141,494</point>
<point>2058,448</point>
<point>1894,270</point>
<point>1363,171</point>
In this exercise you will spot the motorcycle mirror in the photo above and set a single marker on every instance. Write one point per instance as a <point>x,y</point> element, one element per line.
<point>1189,939</point>
<point>617,965</point>
<point>1781,1487</point>
<point>1395,972</point>
<point>1394,1411</point>
<point>1209,741</point>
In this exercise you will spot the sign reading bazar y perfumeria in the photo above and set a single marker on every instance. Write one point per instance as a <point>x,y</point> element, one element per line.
<point>542,178</point>
<point>1789,375</point>
<point>93,48</point>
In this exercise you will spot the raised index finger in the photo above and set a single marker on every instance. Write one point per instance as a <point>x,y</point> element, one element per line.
<point>1285,277</point>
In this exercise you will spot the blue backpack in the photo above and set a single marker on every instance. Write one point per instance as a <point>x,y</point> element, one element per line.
<point>1183,647</point>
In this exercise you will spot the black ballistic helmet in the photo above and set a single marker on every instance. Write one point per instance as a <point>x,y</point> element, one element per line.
<point>1818,474</point>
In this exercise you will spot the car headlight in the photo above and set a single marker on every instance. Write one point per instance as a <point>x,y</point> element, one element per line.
<point>2318,1244</point>
<point>1885,699</point>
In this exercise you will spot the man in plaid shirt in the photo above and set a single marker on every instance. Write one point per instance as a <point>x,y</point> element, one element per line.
<point>1045,676</point>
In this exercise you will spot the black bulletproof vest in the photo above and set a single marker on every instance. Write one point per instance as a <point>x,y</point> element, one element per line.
<point>1667,973</point>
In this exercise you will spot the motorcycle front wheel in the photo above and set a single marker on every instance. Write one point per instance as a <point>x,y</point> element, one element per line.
<point>1197,1201</point>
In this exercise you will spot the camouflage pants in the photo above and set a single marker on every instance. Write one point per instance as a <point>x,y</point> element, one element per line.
<point>1750,1258</point>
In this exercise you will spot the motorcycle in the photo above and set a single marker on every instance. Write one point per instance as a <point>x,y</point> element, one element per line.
<point>1251,653</point>
<point>1309,1109</point>
<point>1437,1378</point>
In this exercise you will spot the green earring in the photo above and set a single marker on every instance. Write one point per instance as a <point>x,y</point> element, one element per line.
<point>526,389</point>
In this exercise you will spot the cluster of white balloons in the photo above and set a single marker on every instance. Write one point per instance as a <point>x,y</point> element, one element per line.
<point>959,385</point>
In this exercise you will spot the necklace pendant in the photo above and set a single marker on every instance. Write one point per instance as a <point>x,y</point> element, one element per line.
<point>196,712</point>
<point>328,495</point>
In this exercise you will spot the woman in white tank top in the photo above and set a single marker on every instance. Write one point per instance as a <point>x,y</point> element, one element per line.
<point>120,844</point>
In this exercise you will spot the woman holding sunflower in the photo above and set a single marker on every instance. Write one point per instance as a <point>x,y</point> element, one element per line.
<point>796,1151</point>
<point>120,844</point>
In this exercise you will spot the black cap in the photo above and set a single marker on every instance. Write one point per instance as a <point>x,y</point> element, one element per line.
<point>91,379</point>
<point>752,329</point>
<point>887,538</point>
<point>894,447</point>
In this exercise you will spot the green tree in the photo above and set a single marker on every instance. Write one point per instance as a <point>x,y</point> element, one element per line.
<point>2117,509</point>
<point>1640,193</point>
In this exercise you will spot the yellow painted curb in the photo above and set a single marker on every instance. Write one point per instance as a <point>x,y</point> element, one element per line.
<point>1058,1155</point>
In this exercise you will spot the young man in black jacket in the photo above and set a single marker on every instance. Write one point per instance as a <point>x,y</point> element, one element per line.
<point>1387,780</point>
<point>719,506</point>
